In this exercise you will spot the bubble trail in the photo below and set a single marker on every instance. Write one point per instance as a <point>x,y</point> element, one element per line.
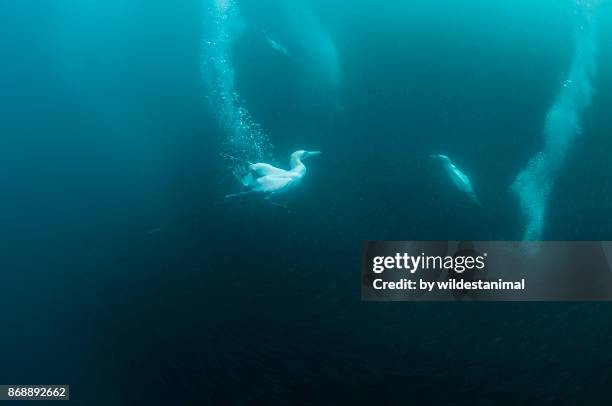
<point>244,137</point>
<point>533,185</point>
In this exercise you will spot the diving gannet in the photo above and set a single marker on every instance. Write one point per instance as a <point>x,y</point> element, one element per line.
<point>269,180</point>
<point>461,181</point>
<point>276,45</point>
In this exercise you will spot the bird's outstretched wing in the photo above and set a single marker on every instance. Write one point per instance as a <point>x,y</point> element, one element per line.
<point>261,169</point>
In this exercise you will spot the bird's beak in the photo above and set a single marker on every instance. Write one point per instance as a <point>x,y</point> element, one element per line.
<point>313,153</point>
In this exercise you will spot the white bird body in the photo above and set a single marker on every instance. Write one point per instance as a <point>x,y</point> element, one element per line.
<point>277,46</point>
<point>459,179</point>
<point>267,179</point>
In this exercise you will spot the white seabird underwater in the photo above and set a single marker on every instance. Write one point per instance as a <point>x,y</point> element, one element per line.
<point>460,179</point>
<point>276,45</point>
<point>269,180</point>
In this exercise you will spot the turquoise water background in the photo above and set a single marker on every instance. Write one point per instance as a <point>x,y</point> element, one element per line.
<point>127,275</point>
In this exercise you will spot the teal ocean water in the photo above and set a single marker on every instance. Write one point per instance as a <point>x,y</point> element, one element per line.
<point>129,275</point>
